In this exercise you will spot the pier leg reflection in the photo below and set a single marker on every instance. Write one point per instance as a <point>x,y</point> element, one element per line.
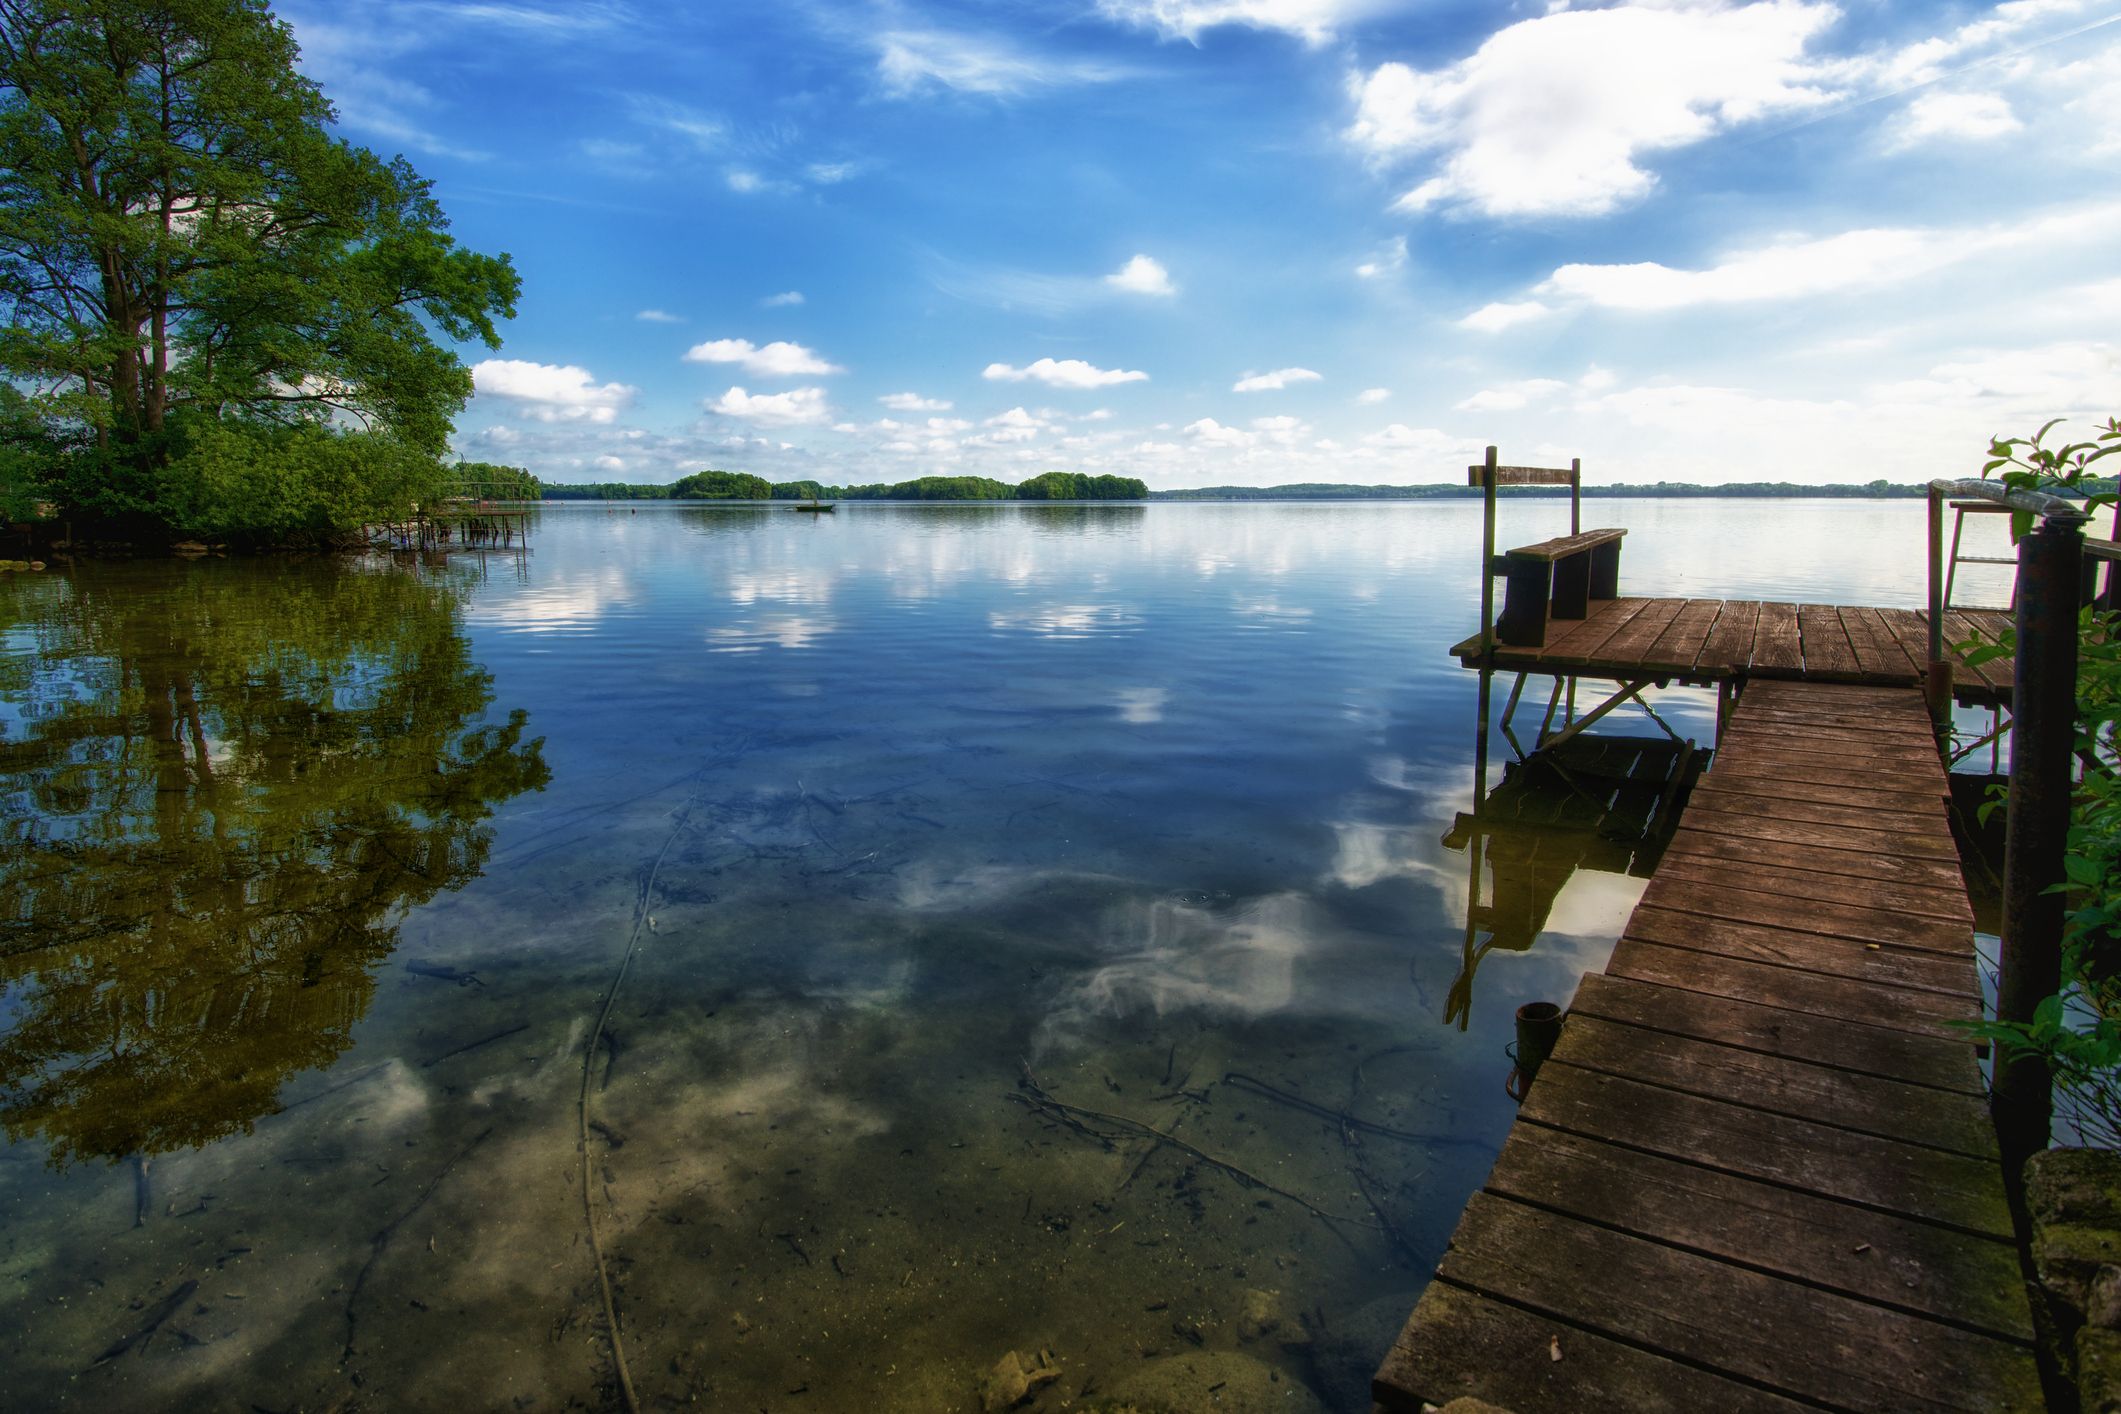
<point>1581,801</point>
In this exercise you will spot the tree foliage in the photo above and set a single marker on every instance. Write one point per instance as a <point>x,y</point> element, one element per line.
<point>491,481</point>
<point>721,486</point>
<point>185,246</point>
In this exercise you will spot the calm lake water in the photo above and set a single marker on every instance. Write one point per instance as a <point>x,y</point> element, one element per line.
<point>875,832</point>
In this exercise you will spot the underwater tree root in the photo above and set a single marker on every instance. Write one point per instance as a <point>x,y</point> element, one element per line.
<point>1265,1091</point>
<point>1036,1098</point>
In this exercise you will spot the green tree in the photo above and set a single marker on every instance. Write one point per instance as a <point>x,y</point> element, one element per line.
<point>183,242</point>
<point>721,486</point>
<point>217,808</point>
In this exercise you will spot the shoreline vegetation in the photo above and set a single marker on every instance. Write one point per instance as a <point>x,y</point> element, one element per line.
<point>1069,486</point>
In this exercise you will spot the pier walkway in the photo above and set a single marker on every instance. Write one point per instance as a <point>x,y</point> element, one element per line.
<point>1757,1172</point>
<point>1708,641</point>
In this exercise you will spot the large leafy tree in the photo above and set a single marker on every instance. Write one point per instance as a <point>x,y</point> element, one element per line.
<point>183,242</point>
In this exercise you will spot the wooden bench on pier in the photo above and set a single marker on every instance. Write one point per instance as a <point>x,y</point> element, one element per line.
<point>1554,579</point>
<point>1557,579</point>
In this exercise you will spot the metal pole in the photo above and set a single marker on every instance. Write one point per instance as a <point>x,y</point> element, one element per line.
<point>1937,677</point>
<point>2043,737</point>
<point>1487,557</point>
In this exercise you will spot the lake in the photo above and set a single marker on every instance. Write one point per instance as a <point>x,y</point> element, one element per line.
<point>922,933</point>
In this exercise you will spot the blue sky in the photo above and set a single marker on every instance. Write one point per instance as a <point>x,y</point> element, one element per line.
<point>1260,241</point>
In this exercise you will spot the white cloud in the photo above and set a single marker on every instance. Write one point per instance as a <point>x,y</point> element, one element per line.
<point>1550,115</point>
<point>1956,116</point>
<point>1210,433</point>
<point>1313,21</point>
<point>1798,267</point>
<point>703,131</point>
<point>775,360</point>
<point>1925,61</point>
<point>783,299</point>
<point>1385,262</point>
<point>2053,379</point>
<point>1142,276</point>
<point>1274,382</point>
<point>1373,395</point>
<point>1063,373</point>
<point>551,392</point>
<point>914,402</point>
<point>658,316</point>
<point>827,174</point>
<point>749,183</point>
<point>1494,318</point>
<point>1399,437</point>
<point>793,408</point>
<point>1511,396</point>
<point>911,61</point>
<point>608,462</point>
<point>1015,425</point>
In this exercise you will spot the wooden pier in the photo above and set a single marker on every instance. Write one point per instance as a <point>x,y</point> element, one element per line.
<point>1757,1172</point>
<point>1705,642</point>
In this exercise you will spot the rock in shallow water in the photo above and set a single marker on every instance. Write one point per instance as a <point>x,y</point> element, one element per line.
<point>1013,1377</point>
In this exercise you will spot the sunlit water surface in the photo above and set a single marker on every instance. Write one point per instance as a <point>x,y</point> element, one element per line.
<point>318,875</point>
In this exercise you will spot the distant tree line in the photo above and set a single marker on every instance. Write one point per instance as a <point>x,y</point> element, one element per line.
<point>738,486</point>
<point>1334,491</point>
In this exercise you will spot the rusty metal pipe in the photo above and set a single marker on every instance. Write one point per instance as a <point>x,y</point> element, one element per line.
<point>2043,737</point>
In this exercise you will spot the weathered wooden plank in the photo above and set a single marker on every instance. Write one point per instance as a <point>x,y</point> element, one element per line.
<point>1459,1343</point>
<point>1921,833</point>
<point>1854,863</point>
<point>1971,1281</point>
<point>1827,653</point>
<point>1898,1008</point>
<point>1730,642</point>
<point>1666,921</point>
<point>1734,1320</point>
<point>1858,724</point>
<point>1878,652</point>
<point>1858,793</point>
<point>1679,646</point>
<point>1823,1040</point>
<point>1521,475</point>
<point>1846,696</point>
<point>1895,753</point>
<point>1716,797</point>
<point>1580,644</point>
<point>1929,1185</point>
<point>1799,832</point>
<point>1958,628</point>
<point>1913,1114</point>
<point>1732,900</point>
<point>1823,766</point>
<point>1777,645</point>
<point>1627,648</point>
<point>1927,902</point>
<point>1563,545</point>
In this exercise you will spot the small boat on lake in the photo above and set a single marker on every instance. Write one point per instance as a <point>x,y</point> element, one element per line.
<point>818,506</point>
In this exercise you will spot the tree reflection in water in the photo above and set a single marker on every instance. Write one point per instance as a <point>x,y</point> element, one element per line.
<point>218,792</point>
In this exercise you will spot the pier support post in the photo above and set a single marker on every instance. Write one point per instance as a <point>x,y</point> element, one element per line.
<point>1937,674</point>
<point>2043,736</point>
